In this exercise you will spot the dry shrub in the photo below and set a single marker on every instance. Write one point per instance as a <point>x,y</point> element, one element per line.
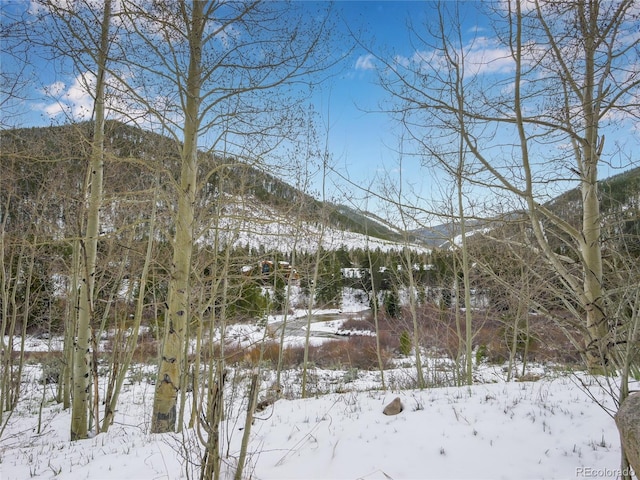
<point>233,354</point>
<point>438,333</point>
<point>38,357</point>
<point>145,351</point>
<point>147,348</point>
<point>354,352</point>
<point>389,341</point>
<point>366,348</point>
<point>269,351</point>
<point>293,357</point>
<point>358,325</point>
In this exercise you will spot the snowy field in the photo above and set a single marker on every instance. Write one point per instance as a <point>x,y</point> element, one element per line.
<point>549,429</point>
<point>552,428</point>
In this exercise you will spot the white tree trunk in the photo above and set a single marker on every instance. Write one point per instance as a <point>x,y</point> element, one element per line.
<point>89,248</point>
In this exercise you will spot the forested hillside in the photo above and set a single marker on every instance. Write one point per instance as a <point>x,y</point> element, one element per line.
<point>44,184</point>
<point>253,214</point>
<point>35,159</point>
<point>259,218</point>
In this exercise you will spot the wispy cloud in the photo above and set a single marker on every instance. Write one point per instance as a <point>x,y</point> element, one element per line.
<point>365,62</point>
<point>73,100</point>
<point>482,56</point>
<point>485,56</point>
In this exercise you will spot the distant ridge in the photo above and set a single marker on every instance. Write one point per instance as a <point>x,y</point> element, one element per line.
<point>618,192</point>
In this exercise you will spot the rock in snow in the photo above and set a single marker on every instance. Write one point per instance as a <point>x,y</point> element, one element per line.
<point>394,407</point>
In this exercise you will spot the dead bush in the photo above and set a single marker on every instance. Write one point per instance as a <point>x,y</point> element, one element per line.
<point>358,325</point>
<point>147,349</point>
<point>354,352</point>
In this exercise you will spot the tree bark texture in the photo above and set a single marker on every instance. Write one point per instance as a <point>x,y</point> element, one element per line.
<point>178,312</point>
<point>89,248</point>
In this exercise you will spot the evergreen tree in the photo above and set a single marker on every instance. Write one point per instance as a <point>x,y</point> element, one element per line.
<point>392,303</point>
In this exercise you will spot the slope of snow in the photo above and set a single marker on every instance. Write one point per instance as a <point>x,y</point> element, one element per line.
<point>247,222</point>
<point>517,430</point>
<point>550,429</point>
<point>554,428</point>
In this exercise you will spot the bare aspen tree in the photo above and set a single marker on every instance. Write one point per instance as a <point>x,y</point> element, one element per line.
<point>89,247</point>
<point>10,259</point>
<point>464,253</point>
<point>566,68</point>
<point>80,36</point>
<point>315,268</point>
<point>44,34</point>
<point>454,162</point>
<point>407,279</point>
<point>27,256</point>
<point>468,327</point>
<point>93,56</point>
<point>507,272</point>
<point>625,301</point>
<point>375,312</point>
<point>169,372</point>
<point>11,273</point>
<point>620,260</point>
<point>409,276</point>
<point>316,265</point>
<point>409,211</point>
<point>217,70</point>
<point>302,163</point>
<point>288,286</point>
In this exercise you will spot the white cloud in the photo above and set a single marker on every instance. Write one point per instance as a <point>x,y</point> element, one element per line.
<point>365,62</point>
<point>525,5</point>
<point>484,56</point>
<point>53,109</point>
<point>73,100</point>
<point>55,89</point>
<point>402,61</point>
<point>39,8</point>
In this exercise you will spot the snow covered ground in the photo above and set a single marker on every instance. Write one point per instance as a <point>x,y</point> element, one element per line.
<point>553,428</point>
<point>549,429</point>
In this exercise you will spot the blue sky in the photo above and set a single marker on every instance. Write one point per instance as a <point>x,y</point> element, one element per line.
<point>365,141</point>
<point>362,142</point>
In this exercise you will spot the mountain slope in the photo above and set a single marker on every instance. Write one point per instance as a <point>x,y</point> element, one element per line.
<point>54,159</point>
<point>619,196</point>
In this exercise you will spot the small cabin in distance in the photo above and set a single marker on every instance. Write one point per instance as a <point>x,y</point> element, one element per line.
<point>266,268</point>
